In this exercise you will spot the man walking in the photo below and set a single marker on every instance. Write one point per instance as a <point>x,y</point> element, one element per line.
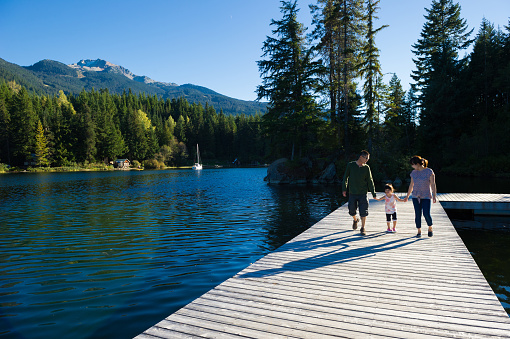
<point>358,178</point>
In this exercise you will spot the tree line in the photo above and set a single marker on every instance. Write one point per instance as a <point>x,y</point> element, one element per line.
<point>327,96</point>
<point>97,126</point>
<point>326,99</point>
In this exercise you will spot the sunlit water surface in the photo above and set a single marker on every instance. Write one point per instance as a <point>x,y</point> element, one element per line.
<point>109,254</point>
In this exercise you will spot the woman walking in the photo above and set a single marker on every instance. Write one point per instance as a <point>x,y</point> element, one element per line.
<point>423,189</point>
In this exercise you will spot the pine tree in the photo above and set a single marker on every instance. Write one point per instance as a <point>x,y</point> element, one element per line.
<point>41,146</point>
<point>85,149</point>
<point>87,139</point>
<point>410,116</point>
<point>339,30</point>
<point>484,117</point>
<point>484,68</point>
<point>220,136</point>
<point>437,76</point>
<point>64,141</point>
<point>371,70</point>
<point>152,142</point>
<point>23,127</point>
<point>289,78</point>
<point>136,135</point>
<point>503,80</point>
<point>395,118</point>
<point>5,154</point>
<point>110,143</point>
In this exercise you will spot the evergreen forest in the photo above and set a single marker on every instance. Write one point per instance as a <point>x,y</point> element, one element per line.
<point>327,96</point>
<point>326,100</point>
<point>99,127</point>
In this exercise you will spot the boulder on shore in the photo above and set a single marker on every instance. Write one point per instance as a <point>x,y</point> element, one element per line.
<point>276,173</point>
<point>328,175</point>
<point>302,172</point>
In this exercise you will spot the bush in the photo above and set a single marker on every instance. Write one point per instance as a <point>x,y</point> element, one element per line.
<point>100,166</point>
<point>484,166</point>
<point>136,164</point>
<point>153,164</point>
<point>39,169</point>
<point>4,168</point>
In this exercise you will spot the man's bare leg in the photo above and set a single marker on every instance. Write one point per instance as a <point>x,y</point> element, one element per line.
<point>362,230</point>
<point>355,222</point>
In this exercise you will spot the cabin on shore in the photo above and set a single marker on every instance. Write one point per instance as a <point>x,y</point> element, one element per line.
<point>122,163</point>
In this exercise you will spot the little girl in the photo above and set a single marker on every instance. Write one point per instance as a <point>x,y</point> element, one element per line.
<point>390,206</point>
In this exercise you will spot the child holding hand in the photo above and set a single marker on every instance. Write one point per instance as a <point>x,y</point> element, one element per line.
<point>390,206</point>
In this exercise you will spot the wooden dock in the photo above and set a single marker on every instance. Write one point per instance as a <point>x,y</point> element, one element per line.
<point>482,203</point>
<point>331,282</point>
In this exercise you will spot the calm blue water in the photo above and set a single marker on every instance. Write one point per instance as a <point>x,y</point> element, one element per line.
<point>491,252</point>
<point>109,254</point>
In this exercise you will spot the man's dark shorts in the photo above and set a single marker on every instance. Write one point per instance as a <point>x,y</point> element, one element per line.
<point>358,201</point>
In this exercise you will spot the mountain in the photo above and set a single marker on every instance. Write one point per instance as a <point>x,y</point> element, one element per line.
<point>99,65</point>
<point>49,76</point>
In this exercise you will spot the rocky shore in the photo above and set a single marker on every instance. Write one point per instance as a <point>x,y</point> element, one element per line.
<point>306,171</point>
<point>303,172</point>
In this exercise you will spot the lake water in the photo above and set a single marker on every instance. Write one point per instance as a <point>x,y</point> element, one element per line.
<point>109,254</point>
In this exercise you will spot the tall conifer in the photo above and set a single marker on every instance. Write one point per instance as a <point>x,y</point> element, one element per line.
<point>23,127</point>
<point>339,32</point>
<point>288,81</point>
<point>443,36</point>
<point>371,70</point>
<point>5,154</point>
<point>41,146</point>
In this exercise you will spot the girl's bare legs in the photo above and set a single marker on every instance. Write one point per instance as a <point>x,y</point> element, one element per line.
<point>394,225</point>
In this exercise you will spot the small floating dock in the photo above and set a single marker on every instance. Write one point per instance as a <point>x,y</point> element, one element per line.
<point>483,203</point>
<point>331,282</point>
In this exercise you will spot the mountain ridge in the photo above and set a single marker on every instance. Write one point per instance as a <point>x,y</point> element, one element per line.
<point>100,65</point>
<point>49,76</point>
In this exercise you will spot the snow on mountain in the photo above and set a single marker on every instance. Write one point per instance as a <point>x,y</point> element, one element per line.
<point>99,65</point>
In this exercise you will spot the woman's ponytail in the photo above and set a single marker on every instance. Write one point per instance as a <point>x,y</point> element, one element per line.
<point>417,160</point>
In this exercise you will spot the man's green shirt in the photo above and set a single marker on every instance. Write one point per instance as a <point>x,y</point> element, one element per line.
<point>358,179</point>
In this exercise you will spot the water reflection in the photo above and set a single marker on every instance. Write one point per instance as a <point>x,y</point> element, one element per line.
<point>84,254</point>
<point>108,254</point>
<point>296,208</point>
<point>492,254</point>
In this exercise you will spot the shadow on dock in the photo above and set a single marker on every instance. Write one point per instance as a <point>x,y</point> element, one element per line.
<point>336,248</point>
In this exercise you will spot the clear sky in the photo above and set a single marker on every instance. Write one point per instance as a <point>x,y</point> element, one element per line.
<point>211,43</point>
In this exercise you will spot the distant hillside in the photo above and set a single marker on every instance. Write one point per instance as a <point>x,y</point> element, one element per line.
<point>49,76</point>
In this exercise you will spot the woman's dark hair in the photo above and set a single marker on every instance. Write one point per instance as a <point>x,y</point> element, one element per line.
<point>388,187</point>
<point>417,160</point>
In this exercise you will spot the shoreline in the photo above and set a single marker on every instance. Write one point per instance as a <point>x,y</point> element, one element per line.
<point>110,168</point>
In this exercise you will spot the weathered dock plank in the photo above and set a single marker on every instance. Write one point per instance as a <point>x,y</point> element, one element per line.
<point>486,203</point>
<point>331,282</point>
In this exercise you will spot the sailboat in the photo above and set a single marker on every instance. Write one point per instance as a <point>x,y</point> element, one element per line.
<point>197,165</point>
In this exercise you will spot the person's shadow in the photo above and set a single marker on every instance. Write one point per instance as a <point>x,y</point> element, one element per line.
<point>340,247</point>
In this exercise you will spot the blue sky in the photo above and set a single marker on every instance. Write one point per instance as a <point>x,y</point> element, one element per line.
<point>210,43</point>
